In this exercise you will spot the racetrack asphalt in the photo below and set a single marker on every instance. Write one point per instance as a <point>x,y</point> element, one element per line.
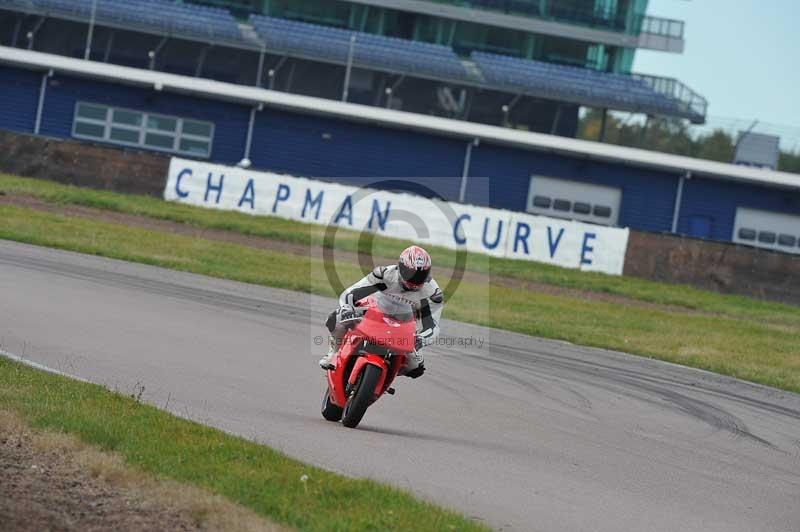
<point>519,433</point>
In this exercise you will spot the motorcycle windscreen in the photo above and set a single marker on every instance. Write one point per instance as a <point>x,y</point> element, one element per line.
<point>390,324</point>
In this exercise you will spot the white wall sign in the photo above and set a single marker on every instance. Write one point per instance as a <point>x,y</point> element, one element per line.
<point>452,225</point>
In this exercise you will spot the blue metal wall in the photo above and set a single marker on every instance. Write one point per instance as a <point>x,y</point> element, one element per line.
<point>230,131</point>
<point>19,97</point>
<point>354,153</point>
<point>359,153</point>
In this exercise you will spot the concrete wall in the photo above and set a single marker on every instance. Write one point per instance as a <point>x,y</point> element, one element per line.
<point>718,266</point>
<point>722,267</point>
<point>83,164</point>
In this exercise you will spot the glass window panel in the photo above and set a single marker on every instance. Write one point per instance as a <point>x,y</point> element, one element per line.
<point>767,237</point>
<point>124,135</point>
<point>195,147</point>
<point>787,240</point>
<point>154,140</point>
<point>201,129</point>
<point>162,123</point>
<point>542,202</point>
<point>129,118</point>
<point>93,112</point>
<point>581,208</point>
<point>602,211</point>
<point>562,205</point>
<point>90,130</point>
<point>747,234</point>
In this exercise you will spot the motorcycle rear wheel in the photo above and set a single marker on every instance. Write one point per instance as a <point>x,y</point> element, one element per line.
<point>330,411</point>
<point>357,403</point>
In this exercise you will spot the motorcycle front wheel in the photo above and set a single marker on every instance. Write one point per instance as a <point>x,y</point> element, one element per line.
<point>330,411</point>
<point>361,397</point>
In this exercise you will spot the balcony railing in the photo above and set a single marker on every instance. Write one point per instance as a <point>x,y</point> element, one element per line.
<point>664,27</point>
<point>671,87</point>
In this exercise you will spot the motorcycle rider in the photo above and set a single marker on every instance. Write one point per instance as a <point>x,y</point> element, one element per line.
<point>409,280</point>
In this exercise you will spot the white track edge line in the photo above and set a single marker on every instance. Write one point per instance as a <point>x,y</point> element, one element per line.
<point>31,363</point>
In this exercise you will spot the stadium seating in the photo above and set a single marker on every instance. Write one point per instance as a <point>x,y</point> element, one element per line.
<point>583,85</point>
<point>403,56</point>
<point>370,51</point>
<point>162,16</point>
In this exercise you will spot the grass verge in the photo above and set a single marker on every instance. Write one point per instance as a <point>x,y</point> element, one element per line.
<point>252,475</point>
<point>760,345</point>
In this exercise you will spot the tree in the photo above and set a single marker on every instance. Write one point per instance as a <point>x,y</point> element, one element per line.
<point>671,135</point>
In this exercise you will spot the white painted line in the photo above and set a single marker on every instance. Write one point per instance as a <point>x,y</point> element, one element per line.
<point>42,367</point>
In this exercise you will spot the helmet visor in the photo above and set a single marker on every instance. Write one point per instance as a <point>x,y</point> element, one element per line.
<point>414,277</point>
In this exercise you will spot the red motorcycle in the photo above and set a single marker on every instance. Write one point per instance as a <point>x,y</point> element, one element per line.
<point>371,353</point>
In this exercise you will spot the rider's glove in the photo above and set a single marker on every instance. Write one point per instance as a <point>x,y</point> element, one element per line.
<point>346,312</point>
<point>416,372</point>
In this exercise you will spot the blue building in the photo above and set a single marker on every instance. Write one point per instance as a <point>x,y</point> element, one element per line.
<point>63,97</point>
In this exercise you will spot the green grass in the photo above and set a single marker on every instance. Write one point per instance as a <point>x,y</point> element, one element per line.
<point>252,475</point>
<point>760,345</point>
<point>308,234</point>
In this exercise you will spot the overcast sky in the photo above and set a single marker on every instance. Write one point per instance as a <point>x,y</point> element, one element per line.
<point>742,55</point>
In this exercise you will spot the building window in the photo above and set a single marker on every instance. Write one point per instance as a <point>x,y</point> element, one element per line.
<point>543,202</point>
<point>747,234</point>
<point>581,208</point>
<point>601,211</point>
<point>766,237</point>
<point>143,130</point>
<point>562,205</point>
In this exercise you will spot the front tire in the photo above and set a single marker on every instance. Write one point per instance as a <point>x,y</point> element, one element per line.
<point>330,411</point>
<point>357,403</point>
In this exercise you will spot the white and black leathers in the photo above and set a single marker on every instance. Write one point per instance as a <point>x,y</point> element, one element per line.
<point>427,301</point>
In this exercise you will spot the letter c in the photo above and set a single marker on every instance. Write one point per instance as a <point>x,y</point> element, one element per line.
<point>178,191</point>
<point>459,239</point>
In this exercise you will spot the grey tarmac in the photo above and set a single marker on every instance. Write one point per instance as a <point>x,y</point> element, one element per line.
<point>517,432</point>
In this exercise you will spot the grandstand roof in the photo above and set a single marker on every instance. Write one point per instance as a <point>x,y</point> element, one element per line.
<point>391,118</point>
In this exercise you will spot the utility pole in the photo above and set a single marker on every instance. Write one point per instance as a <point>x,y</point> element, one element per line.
<point>88,51</point>
<point>346,88</point>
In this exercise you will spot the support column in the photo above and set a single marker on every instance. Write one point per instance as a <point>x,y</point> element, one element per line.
<point>260,72</point>
<point>250,126</point>
<point>603,120</point>
<point>349,68</point>
<point>676,211</point>
<point>201,62</point>
<point>556,120</point>
<point>462,193</point>
<point>40,107</point>
<point>17,29</point>
<point>90,33</point>
<point>153,54</point>
<point>109,46</point>
<point>32,34</point>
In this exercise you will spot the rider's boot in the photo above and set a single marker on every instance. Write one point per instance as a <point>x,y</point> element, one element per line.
<point>328,362</point>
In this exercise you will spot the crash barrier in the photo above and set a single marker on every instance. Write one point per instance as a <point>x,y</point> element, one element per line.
<point>495,232</point>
